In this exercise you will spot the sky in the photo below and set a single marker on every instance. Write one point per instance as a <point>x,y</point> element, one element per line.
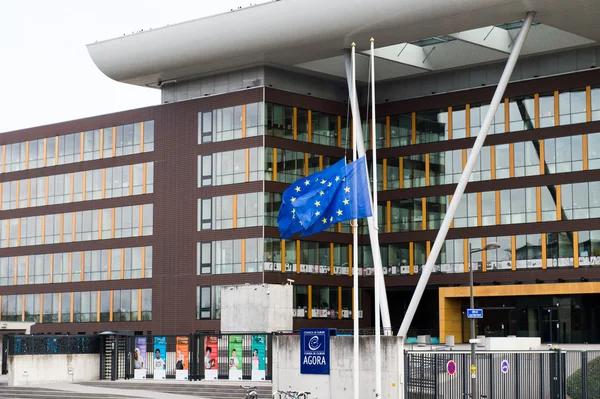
<point>47,74</point>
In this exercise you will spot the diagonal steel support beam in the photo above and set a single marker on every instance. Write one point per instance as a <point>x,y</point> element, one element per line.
<point>490,37</point>
<point>458,192</point>
<point>407,54</point>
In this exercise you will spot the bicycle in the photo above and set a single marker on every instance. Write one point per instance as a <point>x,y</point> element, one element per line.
<point>250,392</point>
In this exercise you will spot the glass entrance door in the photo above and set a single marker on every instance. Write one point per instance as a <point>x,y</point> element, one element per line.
<point>550,325</point>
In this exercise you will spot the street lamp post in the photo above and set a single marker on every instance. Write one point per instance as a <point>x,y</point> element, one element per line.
<point>492,245</point>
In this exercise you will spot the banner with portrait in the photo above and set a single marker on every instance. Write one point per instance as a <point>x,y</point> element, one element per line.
<point>139,358</point>
<point>258,357</point>
<point>182,358</point>
<point>159,359</point>
<point>235,357</point>
<point>211,358</point>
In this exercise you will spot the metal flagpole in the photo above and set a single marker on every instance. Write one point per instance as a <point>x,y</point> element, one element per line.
<point>373,234</point>
<point>355,251</point>
<point>378,270</point>
<point>460,188</point>
<point>464,178</point>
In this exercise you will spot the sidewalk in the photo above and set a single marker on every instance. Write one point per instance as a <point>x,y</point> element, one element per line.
<point>114,390</point>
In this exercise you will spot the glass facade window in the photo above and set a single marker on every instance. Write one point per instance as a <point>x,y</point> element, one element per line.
<point>572,106</point>
<point>406,215</point>
<point>521,113</point>
<point>563,154</point>
<point>477,114</point>
<point>466,213</point>
<point>547,110</point>
<point>432,126</point>
<point>400,130</point>
<point>414,171</point>
<point>501,258</point>
<point>229,211</point>
<point>208,302</point>
<point>325,129</point>
<point>226,123</point>
<point>518,206</point>
<point>528,251</point>
<point>230,167</point>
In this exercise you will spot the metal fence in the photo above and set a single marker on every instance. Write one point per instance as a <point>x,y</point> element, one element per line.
<point>503,375</point>
<point>52,344</point>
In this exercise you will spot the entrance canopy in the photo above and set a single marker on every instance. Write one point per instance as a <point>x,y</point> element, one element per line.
<point>412,37</point>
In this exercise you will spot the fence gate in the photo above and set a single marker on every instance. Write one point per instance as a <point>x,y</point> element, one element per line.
<point>500,375</point>
<point>4,351</point>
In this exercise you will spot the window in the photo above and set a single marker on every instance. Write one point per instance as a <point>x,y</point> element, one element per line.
<point>148,136</point>
<point>50,310</point>
<point>400,130</point>
<point>529,251</point>
<point>203,303</point>
<point>204,258</point>
<point>32,308</point>
<point>146,304</point>
<point>559,249</point>
<point>36,154</point>
<point>572,106</point>
<point>65,307</point>
<point>91,145</point>
<point>60,268</point>
<point>521,113</point>
<point>324,129</point>
<point>466,213</point>
<point>204,214</point>
<point>227,256</point>
<point>432,126</point>
<point>501,258</point>
<point>249,209</point>
<point>279,121</point>
<point>300,301</point>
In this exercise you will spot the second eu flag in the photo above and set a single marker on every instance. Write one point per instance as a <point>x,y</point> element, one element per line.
<point>336,194</point>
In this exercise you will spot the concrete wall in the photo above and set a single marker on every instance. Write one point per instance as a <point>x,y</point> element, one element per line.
<point>44,369</point>
<point>257,308</point>
<point>339,384</point>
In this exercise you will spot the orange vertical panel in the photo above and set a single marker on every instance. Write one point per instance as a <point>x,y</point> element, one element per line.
<point>339,131</point>
<point>466,253</point>
<point>320,162</point>
<point>122,263</point>
<point>588,103</point>
<point>82,265</point>
<point>584,149</point>
<point>56,151</point>
<point>145,170</point>
<point>427,248</point>
<point>339,303</point>
<point>558,202</point>
<point>104,181</point>
<point>72,306</point>
<point>411,257</point>
<point>234,216</point>
<point>27,270</point>
<point>112,304</point>
<point>73,187</point>
<point>493,161</point>
<point>538,204</point>
<point>101,143</point>
<point>309,126</point>
<point>414,128</point>
<point>556,109</point>
<point>142,135</point>
<point>41,315</point>
<point>46,194</point>
<point>297,256</point>
<point>479,211</point>
<point>44,155</point>
<point>43,229</point>
<point>483,255</point>
<point>389,216</point>
<point>498,208</point>
<point>388,132</point>
<point>27,155</point>
<point>464,158</point>
<point>139,305</point>
<point>81,148</point>
<point>427,169</point>
<point>384,173</point>
<point>295,123</point>
<point>51,268</point>
<point>23,307</point>
<point>513,244</point>
<point>131,179</point>
<point>243,120</point>
<point>468,119</point>
<point>141,220</point>
<point>449,123</point>
<point>350,258</point>
<point>112,229</point>
<point>401,172</point>
<point>536,110</point>
<point>506,115</point>
<point>424,212</point>
<point>544,256</point>
<point>331,259</point>
<point>283,260</point>
<point>576,249</point>
<point>98,306</point>
<point>542,158</point>
<point>274,164</point>
<point>114,152</point>
<point>18,191</point>
<point>309,301</point>
<point>305,164</point>
<point>59,307</point>
<point>243,258</point>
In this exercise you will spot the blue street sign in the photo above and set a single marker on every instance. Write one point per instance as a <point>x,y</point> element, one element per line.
<point>314,351</point>
<point>475,313</point>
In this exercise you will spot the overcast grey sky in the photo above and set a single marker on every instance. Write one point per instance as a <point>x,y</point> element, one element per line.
<point>47,74</point>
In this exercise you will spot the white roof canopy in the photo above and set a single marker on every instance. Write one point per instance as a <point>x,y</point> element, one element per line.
<point>411,37</point>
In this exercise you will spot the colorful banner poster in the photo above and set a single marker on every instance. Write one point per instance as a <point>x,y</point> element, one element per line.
<point>211,358</point>
<point>139,359</point>
<point>160,357</point>
<point>182,356</point>
<point>235,357</point>
<point>258,357</point>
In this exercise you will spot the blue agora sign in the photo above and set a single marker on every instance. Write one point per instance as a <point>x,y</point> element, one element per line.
<point>475,313</point>
<point>314,351</point>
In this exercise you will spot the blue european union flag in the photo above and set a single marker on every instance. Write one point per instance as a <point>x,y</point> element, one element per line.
<point>336,194</point>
